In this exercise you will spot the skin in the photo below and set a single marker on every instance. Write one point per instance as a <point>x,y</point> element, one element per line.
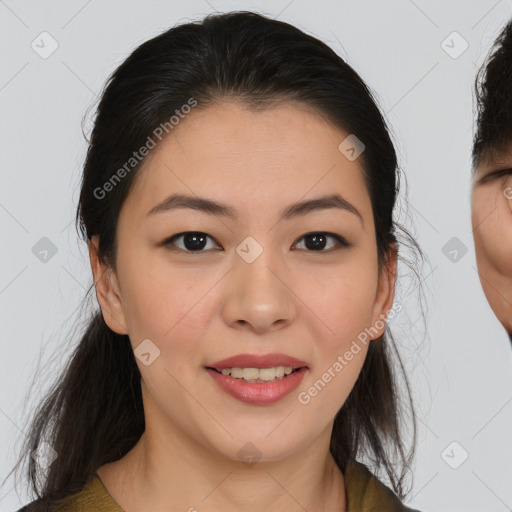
<point>198,308</point>
<point>492,230</point>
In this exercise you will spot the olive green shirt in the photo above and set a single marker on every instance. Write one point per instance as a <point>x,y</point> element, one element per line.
<point>365,493</point>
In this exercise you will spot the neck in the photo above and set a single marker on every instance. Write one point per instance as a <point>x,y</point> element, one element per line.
<point>176,473</point>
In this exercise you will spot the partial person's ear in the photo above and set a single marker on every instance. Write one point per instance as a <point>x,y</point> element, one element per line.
<point>107,290</point>
<point>385,291</point>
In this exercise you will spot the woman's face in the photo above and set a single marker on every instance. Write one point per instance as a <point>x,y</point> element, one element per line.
<point>492,231</point>
<point>255,284</point>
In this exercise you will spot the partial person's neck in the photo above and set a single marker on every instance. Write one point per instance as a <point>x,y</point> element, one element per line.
<point>177,474</point>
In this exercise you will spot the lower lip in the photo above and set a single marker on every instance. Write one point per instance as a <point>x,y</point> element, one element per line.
<point>259,394</point>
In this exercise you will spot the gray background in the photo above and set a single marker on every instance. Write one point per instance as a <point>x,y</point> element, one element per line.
<point>461,370</point>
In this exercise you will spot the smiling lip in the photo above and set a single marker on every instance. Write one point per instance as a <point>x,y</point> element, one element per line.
<point>258,393</point>
<point>258,361</point>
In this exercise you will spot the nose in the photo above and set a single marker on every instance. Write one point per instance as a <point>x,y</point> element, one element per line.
<point>258,296</point>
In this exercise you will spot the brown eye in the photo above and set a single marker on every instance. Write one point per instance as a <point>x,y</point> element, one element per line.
<point>317,241</point>
<point>193,241</point>
<point>196,241</point>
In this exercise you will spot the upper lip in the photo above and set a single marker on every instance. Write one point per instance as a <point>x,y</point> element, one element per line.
<point>258,361</point>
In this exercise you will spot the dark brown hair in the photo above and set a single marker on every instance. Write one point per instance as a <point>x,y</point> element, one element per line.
<point>94,412</point>
<point>493,91</point>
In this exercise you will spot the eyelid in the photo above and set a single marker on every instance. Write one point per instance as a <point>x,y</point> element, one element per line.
<point>169,241</point>
<point>341,241</point>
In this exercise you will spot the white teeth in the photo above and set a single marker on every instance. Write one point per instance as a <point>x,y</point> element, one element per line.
<point>253,374</point>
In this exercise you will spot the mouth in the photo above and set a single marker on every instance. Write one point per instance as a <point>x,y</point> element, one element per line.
<point>257,391</point>
<point>258,379</point>
<point>260,361</point>
<point>258,375</point>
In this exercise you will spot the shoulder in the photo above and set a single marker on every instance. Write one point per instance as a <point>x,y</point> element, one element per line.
<point>93,496</point>
<point>366,493</point>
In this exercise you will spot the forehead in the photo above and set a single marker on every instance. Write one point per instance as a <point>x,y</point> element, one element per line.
<point>279,154</point>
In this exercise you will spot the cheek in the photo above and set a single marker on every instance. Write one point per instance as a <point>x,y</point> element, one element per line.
<point>338,304</point>
<point>492,230</point>
<point>341,339</point>
<point>162,302</point>
<point>350,307</point>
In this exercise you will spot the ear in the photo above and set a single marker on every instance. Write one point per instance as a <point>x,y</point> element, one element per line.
<point>107,290</point>
<point>385,292</point>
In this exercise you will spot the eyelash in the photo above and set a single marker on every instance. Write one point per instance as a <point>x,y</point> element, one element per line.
<point>342,243</point>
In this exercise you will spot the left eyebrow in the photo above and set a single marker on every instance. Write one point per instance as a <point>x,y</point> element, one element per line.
<point>176,201</point>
